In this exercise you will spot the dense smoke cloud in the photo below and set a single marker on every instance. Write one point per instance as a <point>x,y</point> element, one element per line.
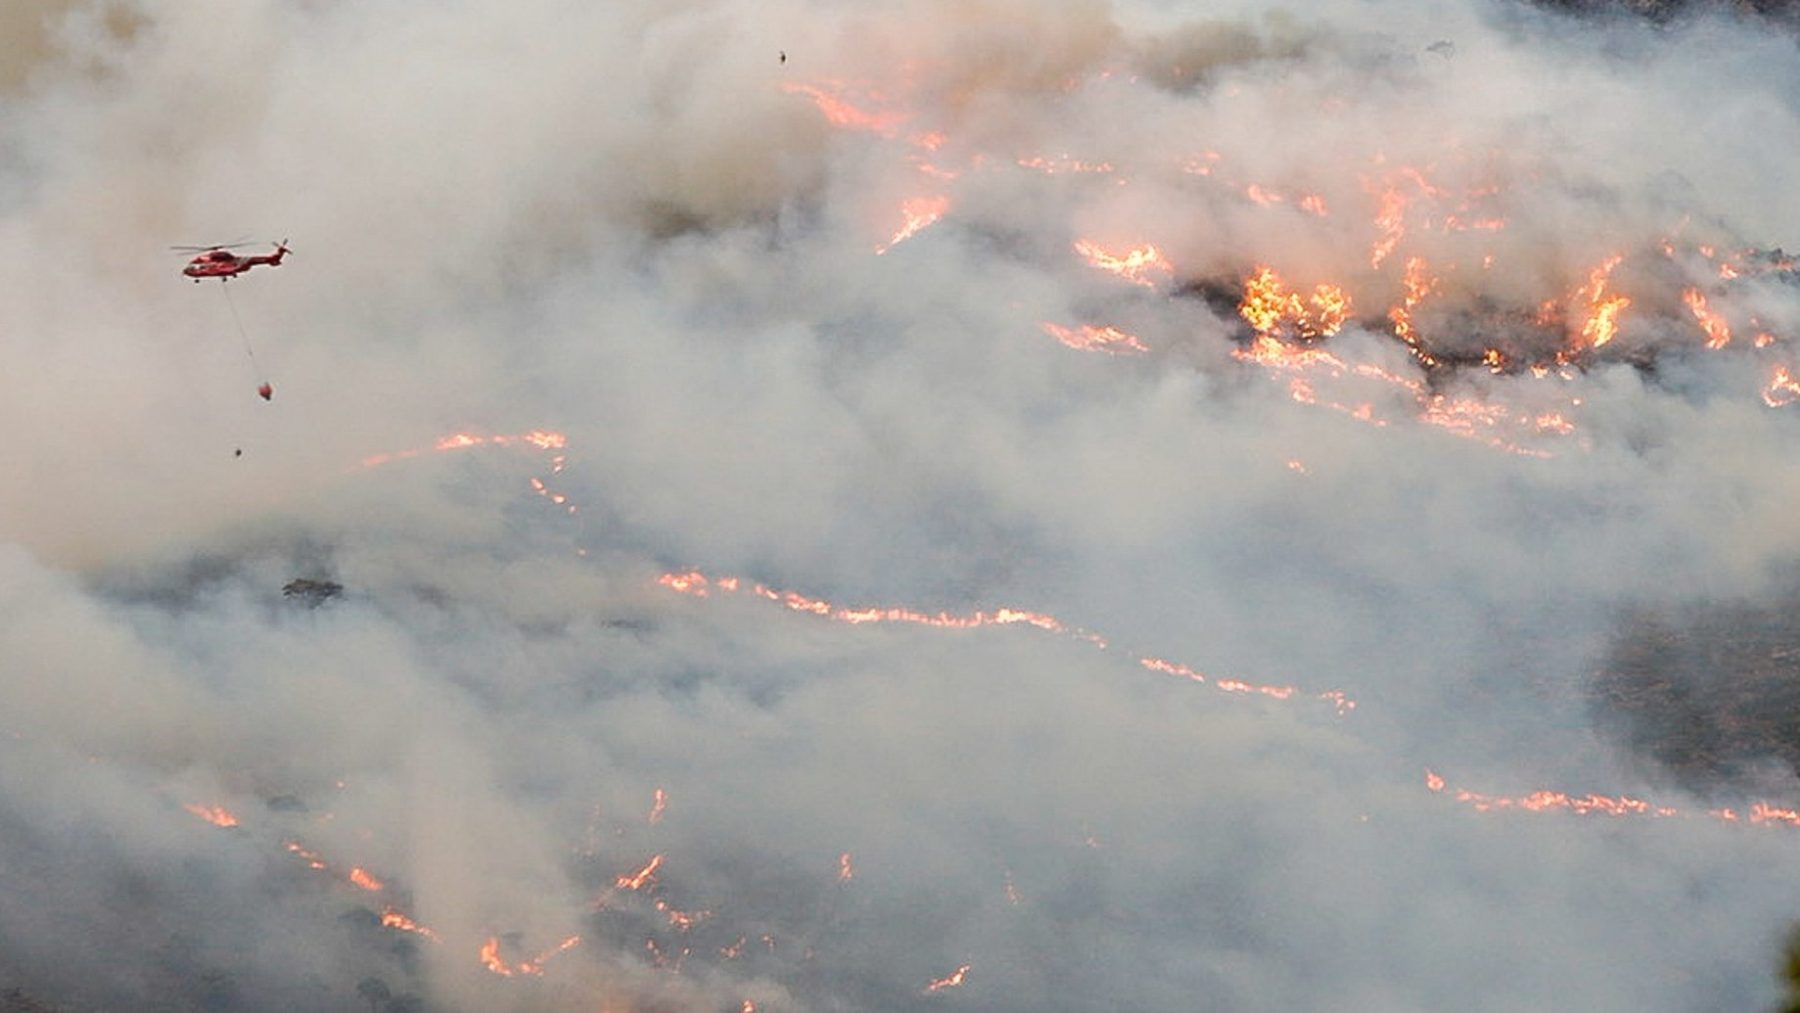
<point>930,306</point>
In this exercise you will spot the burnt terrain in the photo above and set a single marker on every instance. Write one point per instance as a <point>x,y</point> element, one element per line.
<point>1710,693</point>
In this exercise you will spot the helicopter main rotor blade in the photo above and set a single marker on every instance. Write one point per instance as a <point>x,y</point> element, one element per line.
<point>234,244</point>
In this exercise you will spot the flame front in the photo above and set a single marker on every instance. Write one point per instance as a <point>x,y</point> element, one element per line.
<point>1545,800</point>
<point>698,585</point>
<point>1089,338</point>
<point>919,213</point>
<point>393,919</point>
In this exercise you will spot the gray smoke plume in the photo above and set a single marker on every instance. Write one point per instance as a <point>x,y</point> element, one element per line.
<point>627,351</point>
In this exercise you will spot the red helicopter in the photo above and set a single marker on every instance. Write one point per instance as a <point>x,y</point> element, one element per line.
<point>219,262</point>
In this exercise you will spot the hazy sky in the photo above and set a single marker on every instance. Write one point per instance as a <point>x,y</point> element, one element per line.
<point>640,260</point>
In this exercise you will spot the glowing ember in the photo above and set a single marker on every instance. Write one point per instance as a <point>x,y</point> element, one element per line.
<point>1136,265</point>
<point>919,213</point>
<point>845,872</point>
<point>361,878</point>
<point>659,803</point>
<point>1201,164</point>
<point>217,815</point>
<point>1065,164</point>
<point>311,858</point>
<point>681,921</point>
<point>1718,332</point>
<point>641,878</point>
<point>1089,338</point>
<point>1266,198</point>
<point>536,964</point>
<point>952,980</point>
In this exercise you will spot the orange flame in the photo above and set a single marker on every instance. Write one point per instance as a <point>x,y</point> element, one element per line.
<point>641,878</point>
<point>1601,323</point>
<point>698,585</point>
<point>217,815</point>
<point>845,872</point>
<point>1201,164</point>
<point>1267,350</point>
<point>1760,813</point>
<point>1268,305</point>
<point>919,213</point>
<point>658,804</point>
<point>536,964</point>
<point>951,980</point>
<point>1783,388</point>
<point>1135,265</point>
<point>541,439</point>
<point>1418,282</point>
<point>1718,332</point>
<point>393,919</point>
<point>682,921</point>
<point>1089,338</point>
<point>841,112</point>
<point>490,958</point>
<point>1390,224</point>
<point>361,878</point>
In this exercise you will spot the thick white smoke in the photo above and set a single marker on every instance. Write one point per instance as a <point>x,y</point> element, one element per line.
<point>629,250</point>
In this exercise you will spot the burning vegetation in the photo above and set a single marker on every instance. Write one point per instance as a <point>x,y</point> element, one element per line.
<point>1360,290</point>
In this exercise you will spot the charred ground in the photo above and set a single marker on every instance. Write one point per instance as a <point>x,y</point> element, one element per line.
<point>1710,693</point>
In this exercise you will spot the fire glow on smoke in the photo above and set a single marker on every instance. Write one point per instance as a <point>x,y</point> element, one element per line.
<point>1096,223</point>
